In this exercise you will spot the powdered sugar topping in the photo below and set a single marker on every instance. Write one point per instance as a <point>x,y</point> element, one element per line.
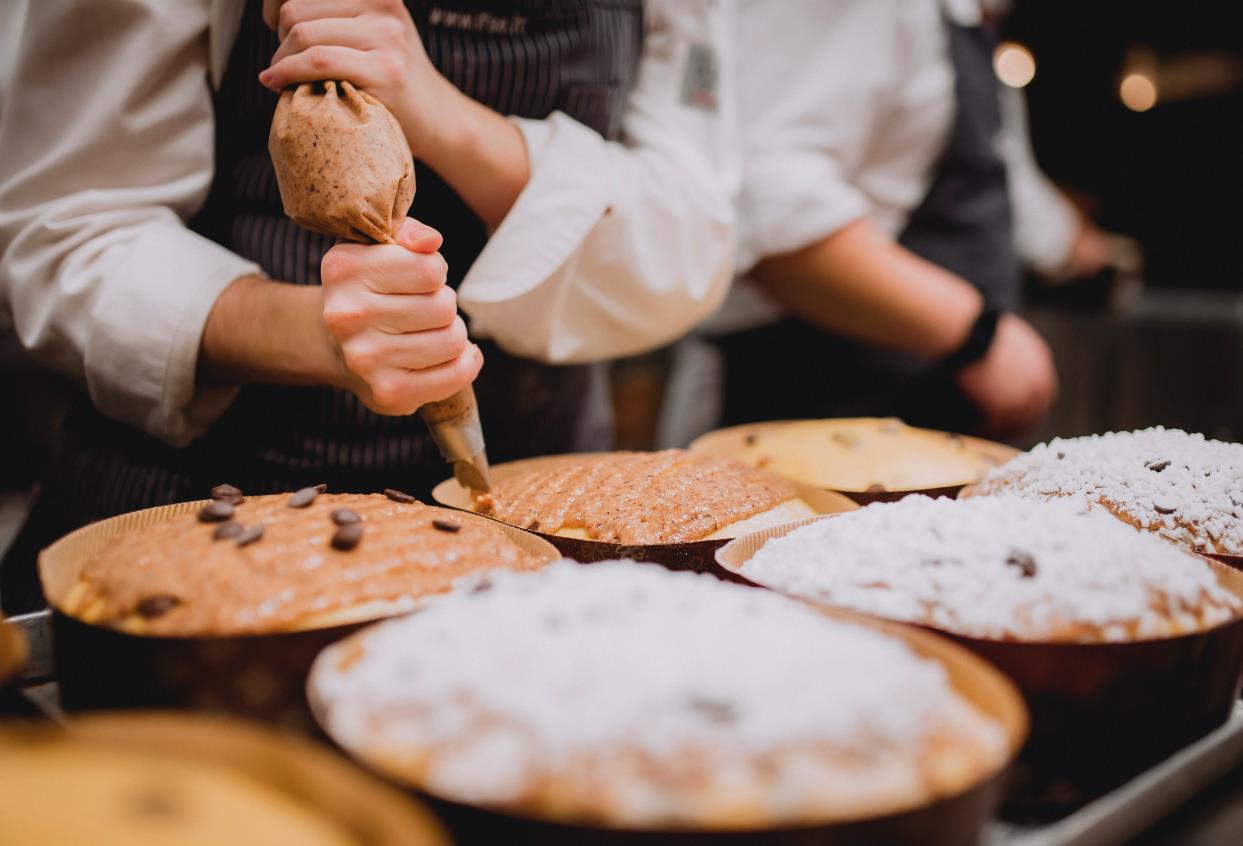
<point>1183,486</point>
<point>577,660</point>
<point>997,567</point>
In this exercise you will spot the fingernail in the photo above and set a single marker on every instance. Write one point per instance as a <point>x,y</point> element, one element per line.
<point>414,235</point>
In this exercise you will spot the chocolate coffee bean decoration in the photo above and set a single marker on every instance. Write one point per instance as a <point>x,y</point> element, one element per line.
<point>346,537</point>
<point>398,496</point>
<point>158,605</point>
<point>447,526</point>
<point>250,534</point>
<point>1025,563</point>
<point>303,497</point>
<point>345,516</point>
<point>216,511</point>
<point>227,530</point>
<point>229,493</point>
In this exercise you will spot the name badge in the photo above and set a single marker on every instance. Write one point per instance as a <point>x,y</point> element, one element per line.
<point>701,78</point>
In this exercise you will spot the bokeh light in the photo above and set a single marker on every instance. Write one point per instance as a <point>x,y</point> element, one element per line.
<point>1138,92</point>
<point>1014,64</point>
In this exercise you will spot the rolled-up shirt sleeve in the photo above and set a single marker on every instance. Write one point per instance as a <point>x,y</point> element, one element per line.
<point>808,117</point>
<point>107,133</point>
<point>614,248</point>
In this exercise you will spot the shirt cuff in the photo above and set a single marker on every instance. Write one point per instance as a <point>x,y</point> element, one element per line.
<point>563,200</point>
<point>142,353</point>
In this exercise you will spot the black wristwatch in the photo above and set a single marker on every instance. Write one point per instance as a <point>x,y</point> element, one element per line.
<point>977,342</point>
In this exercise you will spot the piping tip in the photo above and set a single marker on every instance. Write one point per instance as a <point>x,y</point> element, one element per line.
<point>474,473</point>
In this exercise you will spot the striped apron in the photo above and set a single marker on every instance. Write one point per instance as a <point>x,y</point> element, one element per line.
<point>523,57</point>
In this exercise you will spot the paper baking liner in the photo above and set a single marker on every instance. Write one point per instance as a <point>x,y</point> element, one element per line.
<point>13,652</point>
<point>697,556</point>
<point>258,675</point>
<point>364,807</point>
<point>956,820</point>
<point>731,442</point>
<point>1101,712</point>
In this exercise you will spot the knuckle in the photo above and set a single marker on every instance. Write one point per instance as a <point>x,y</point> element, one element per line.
<point>387,393</point>
<point>299,36</point>
<point>433,270</point>
<point>391,28</point>
<point>335,267</point>
<point>319,56</point>
<point>444,306</point>
<point>465,368</point>
<point>341,315</point>
<point>457,336</point>
<point>362,358</point>
<point>389,67</point>
<point>288,15</point>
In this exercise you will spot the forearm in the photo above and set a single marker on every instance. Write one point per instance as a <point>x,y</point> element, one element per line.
<point>481,155</point>
<point>260,331</point>
<point>861,284</point>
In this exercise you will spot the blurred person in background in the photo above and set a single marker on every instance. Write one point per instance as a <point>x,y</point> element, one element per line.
<point>574,155</point>
<point>880,258</point>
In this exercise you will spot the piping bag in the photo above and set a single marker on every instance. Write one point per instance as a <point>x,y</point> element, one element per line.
<point>344,169</point>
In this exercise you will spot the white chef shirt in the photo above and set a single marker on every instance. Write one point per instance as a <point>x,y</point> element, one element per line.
<point>108,134</point>
<point>849,105</point>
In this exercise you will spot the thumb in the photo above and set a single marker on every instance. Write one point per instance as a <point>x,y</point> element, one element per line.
<point>418,237</point>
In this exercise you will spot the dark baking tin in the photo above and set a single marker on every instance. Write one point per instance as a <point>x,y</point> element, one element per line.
<point>957,820</point>
<point>14,653</point>
<point>1101,712</point>
<point>696,556</point>
<point>731,442</point>
<point>261,675</point>
<point>1235,561</point>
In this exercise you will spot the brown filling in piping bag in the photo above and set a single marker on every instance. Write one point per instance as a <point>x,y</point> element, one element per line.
<point>344,169</point>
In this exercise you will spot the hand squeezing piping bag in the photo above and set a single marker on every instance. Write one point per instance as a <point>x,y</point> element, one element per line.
<point>344,169</point>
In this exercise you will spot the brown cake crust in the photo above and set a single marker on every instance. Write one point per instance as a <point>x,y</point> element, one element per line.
<point>178,578</point>
<point>672,496</point>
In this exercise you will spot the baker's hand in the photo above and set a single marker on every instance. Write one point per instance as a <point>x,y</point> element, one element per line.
<point>394,322</point>
<point>371,43</point>
<point>1014,385</point>
<point>1090,253</point>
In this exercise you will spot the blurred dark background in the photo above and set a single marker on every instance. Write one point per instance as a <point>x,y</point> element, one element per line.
<point>1167,173</point>
<point>1169,176</point>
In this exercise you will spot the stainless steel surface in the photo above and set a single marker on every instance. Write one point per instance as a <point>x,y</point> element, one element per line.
<point>1127,812</point>
<point>37,629</point>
